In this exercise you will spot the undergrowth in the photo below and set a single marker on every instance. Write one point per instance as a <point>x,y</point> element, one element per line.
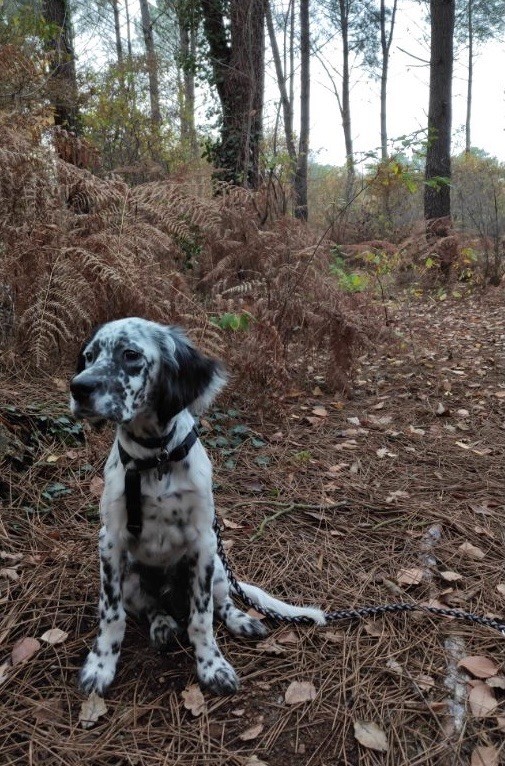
<point>79,249</point>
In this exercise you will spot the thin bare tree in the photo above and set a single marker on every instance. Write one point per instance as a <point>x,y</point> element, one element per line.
<point>301,175</point>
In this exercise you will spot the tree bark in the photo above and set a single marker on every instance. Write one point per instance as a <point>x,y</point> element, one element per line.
<point>187,42</point>
<point>300,185</point>
<point>468,141</point>
<point>386,40</point>
<point>437,200</point>
<point>152,64</point>
<point>237,55</point>
<point>117,32</point>
<point>128,32</point>
<point>345,105</point>
<point>62,85</point>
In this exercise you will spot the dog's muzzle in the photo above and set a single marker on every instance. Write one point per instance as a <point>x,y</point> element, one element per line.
<point>83,388</point>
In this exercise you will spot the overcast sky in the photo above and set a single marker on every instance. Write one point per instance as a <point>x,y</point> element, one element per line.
<point>407,96</point>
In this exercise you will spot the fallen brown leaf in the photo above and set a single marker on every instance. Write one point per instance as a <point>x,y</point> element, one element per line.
<point>300,691</point>
<point>425,682</point>
<point>479,666</point>
<point>253,760</point>
<point>370,735</point>
<point>231,524</point>
<point>288,637</point>
<point>24,649</point>
<point>482,700</point>
<point>412,576</point>
<point>449,576</point>
<point>96,486</point>
<point>251,733</point>
<point>54,636</point>
<point>270,647</point>
<point>194,699</point>
<point>91,710</point>
<point>472,551</point>
<point>484,755</point>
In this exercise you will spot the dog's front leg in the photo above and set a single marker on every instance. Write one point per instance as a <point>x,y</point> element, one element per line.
<point>213,671</point>
<point>99,669</point>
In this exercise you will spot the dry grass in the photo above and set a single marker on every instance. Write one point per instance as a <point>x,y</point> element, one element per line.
<point>312,552</point>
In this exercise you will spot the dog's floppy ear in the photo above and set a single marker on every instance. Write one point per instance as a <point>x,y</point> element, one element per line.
<point>188,378</point>
<point>81,362</point>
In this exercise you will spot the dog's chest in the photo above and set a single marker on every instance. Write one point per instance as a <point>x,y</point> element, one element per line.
<point>169,526</point>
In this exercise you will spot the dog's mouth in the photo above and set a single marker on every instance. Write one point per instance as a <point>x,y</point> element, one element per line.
<point>86,410</point>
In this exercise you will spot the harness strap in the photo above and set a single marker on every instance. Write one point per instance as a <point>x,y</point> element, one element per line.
<point>132,479</point>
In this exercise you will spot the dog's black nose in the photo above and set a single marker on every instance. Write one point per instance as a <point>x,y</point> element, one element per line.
<point>83,388</point>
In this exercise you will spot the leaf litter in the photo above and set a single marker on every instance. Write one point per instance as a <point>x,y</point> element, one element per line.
<point>457,488</point>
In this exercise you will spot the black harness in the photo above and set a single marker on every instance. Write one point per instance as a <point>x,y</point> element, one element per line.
<point>162,461</point>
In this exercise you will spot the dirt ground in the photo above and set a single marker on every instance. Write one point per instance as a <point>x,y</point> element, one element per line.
<point>395,494</point>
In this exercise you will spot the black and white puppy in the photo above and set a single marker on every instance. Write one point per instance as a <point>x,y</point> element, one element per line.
<point>150,380</point>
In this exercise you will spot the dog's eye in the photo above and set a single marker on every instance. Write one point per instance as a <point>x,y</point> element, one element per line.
<point>129,355</point>
<point>88,356</point>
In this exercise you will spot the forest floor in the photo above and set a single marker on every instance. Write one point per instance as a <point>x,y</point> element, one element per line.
<point>394,494</point>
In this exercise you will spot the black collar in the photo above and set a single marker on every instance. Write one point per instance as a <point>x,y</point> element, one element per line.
<point>153,442</point>
<point>161,461</point>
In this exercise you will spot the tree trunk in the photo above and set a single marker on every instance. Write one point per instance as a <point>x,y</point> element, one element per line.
<point>117,32</point>
<point>437,200</point>
<point>291,11</point>
<point>128,32</point>
<point>152,64</point>
<point>287,108</point>
<point>187,41</point>
<point>301,206</point>
<point>345,106</point>
<point>237,55</point>
<point>386,40</point>
<point>468,141</point>
<point>62,83</point>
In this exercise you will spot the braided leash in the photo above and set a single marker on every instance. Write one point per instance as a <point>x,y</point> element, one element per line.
<point>358,613</point>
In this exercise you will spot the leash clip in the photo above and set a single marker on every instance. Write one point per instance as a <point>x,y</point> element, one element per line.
<point>163,463</point>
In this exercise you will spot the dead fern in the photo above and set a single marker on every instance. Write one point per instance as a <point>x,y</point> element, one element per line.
<point>79,250</point>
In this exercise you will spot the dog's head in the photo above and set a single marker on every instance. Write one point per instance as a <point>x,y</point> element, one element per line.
<point>132,367</point>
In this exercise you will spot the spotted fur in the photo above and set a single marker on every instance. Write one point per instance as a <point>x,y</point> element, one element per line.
<point>149,379</point>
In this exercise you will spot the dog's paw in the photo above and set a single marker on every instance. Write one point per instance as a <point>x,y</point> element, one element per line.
<point>240,624</point>
<point>97,673</point>
<point>217,675</point>
<point>250,627</point>
<point>163,631</point>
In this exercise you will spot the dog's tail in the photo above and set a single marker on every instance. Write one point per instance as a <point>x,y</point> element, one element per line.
<point>264,601</point>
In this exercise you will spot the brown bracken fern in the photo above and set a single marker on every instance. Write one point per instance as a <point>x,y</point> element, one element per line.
<point>78,249</point>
